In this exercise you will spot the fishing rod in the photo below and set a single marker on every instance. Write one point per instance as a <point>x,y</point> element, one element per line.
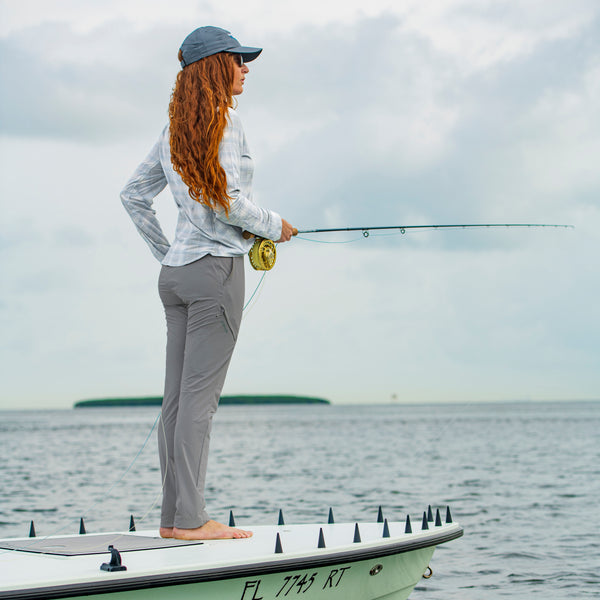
<point>403,228</point>
<point>263,253</point>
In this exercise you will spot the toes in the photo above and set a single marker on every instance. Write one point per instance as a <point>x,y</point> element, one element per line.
<point>245,534</point>
<point>240,534</point>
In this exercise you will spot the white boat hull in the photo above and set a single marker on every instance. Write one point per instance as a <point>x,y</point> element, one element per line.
<point>372,568</point>
<point>350,581</point>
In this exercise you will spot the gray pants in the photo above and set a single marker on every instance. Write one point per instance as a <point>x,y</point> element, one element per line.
<point>203,305</point>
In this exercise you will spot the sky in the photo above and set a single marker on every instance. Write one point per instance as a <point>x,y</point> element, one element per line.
<point>357,114</point>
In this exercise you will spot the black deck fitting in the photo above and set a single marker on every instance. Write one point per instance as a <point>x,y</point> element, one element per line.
<point>386,529</point>
<point>407,528</point>
<point>81,527</point>
<point>231,519</point>
<point>32,530</point>
<point>438,518</point>
<point>380,515</point>
<point>280,521</point>
<point>429,514</point>
<point>448,515</point>
<point>330,518</point>
<point>131,523</point>
<point>115,561</point>
<point>425,524</point>
<point>278,548</point>
<point>356,539</point>
<point>321,543</point>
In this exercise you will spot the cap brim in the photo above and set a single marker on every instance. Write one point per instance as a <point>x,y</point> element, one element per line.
<point>247,52</point>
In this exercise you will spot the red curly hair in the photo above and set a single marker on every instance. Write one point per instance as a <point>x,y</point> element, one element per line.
<point>198,115</point>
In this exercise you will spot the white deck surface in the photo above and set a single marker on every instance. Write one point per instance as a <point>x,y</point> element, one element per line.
<point>28,570</point>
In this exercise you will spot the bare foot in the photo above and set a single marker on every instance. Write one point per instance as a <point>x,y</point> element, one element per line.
<point>211,530</point>
<point>166,532</point>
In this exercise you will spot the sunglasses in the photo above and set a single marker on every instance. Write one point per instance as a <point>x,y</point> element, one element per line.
<point>239,60</point>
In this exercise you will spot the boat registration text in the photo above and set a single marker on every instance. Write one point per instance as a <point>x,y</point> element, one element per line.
<point>291,585</point>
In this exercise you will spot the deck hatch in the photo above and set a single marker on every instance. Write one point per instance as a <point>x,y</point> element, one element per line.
<point>92,544</point>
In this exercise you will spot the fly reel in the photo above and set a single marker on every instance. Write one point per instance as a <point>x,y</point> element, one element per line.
<point>262,255</point>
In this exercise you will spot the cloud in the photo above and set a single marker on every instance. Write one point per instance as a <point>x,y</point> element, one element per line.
<point>424,112</point>
<point>96,87</point>
<point>395,126</point>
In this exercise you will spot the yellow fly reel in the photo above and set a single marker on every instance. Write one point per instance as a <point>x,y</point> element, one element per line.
<point>262,254</point>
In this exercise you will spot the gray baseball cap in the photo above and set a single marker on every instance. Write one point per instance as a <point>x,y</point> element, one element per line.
<point>206,41</point>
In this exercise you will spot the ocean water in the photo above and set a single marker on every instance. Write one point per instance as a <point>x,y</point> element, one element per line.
<point>523,479</point>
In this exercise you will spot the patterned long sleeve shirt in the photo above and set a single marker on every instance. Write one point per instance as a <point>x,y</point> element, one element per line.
<point>200,230</point>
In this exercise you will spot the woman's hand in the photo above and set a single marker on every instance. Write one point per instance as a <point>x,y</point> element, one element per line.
<point>287,231</point>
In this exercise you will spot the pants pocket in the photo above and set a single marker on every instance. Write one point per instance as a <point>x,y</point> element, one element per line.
<point>228,324</point>
<point>223,268</point>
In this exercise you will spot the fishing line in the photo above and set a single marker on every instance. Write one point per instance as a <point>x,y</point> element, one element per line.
<point>330,241</point>
<point>255,300</point>
<point>465,406</point>
<point>403,228</point>
<point>158,417</point>
<point>263,253</point>
<point>127,469</point>
<point>256,289</point>
<point>162,486</point>
<point>85,513</point>
<point>90,508</point>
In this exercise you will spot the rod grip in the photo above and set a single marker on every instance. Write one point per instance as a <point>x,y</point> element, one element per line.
<point>247,235</point>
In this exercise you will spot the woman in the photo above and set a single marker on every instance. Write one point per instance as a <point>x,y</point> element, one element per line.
<point>204,159</point>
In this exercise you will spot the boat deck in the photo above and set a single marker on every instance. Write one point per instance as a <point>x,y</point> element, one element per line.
<point>69,566</point>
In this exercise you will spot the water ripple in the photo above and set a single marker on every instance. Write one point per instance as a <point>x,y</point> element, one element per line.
<point>519,477</point>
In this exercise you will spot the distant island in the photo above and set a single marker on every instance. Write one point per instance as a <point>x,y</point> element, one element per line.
<point>157,401</point>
